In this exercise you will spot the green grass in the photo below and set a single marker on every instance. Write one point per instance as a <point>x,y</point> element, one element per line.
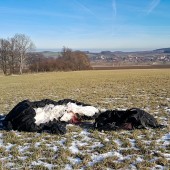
<point>146,89</point>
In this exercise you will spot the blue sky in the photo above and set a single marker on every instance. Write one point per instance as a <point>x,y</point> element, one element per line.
<point>88,24</point>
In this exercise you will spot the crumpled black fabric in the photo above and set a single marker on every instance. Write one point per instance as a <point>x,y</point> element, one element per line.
<point>55,127</point>
<point>21,118</point>
<point>133,118</point>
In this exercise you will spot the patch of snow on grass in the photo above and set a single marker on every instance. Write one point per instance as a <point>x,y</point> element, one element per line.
<point>132,142</point>
<point>61,142</point>
<point>75,160</point>
<point>167,109</point>
<point>139,159</point>
<point>100,157</point>
<point>23,148</point>
<point>55,148</point>
<point>49,166</point>
<point>74,148</point>
<point>68,167</point>
<point>118,141</point>
<point>165,139</point>
<point>96,144</point>
<point>85,135</point>
<point>9,146</point>
<point>1,141</point>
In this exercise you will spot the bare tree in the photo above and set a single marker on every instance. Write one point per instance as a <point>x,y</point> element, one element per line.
<point>4,55</point>
<point>23,45</point>
<point>34,61</point>
<point>66,53</point>
<point>13,57</point>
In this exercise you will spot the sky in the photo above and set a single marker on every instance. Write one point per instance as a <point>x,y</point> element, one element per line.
<point>114,25</point>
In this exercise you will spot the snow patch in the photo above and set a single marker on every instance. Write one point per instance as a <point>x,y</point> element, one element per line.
<point>101,157</point>
<point>166,137</point>
<point>132,142</point>
<point>49,166</point>
<point>22,148</point>
<point>61,142</point>
<point>75,160</point>
<point>74,148</point>
<point>55,148</point>
<point>118,141</point>
<point>139,159</point>
<point>9,146</point>
<point>97,144</point>
<point>1,137</point>
<point>84,133</point>
<point>68,167</point>
<point>167,109</point>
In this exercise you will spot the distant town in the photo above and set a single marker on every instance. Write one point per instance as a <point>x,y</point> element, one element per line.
<point>119,58</point>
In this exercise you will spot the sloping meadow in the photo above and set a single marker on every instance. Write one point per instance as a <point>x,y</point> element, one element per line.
<point>82,147</point>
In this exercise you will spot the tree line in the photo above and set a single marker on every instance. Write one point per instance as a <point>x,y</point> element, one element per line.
<point>17,56</point>
<point>67,61</point>
<point>13,53</point>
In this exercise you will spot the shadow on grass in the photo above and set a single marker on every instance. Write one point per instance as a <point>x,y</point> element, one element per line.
<point>86,125</point>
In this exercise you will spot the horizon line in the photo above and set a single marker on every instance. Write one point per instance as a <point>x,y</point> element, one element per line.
<point>100,49</point>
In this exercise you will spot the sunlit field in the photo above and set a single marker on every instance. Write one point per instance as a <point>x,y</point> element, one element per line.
<point>84,148</point>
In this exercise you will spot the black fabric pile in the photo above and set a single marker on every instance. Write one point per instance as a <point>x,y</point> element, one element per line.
<point>21,118</point>
<point>129,119</point>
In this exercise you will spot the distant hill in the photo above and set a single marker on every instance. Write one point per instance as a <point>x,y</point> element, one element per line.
<point>50,54</point>
<point>163,50</point>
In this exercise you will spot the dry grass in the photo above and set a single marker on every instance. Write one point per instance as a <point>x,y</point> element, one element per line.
<point>85,148</point>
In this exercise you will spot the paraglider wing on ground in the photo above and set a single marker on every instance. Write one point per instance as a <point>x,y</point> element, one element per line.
<point>52,116</point>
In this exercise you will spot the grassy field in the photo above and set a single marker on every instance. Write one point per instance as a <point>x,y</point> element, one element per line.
<point>83,148</point>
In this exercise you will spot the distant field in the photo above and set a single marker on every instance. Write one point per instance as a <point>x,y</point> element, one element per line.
<point>80,148</point>
<point>98,67</point>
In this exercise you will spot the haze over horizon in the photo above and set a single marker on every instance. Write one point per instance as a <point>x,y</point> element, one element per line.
<point>89,24</point>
